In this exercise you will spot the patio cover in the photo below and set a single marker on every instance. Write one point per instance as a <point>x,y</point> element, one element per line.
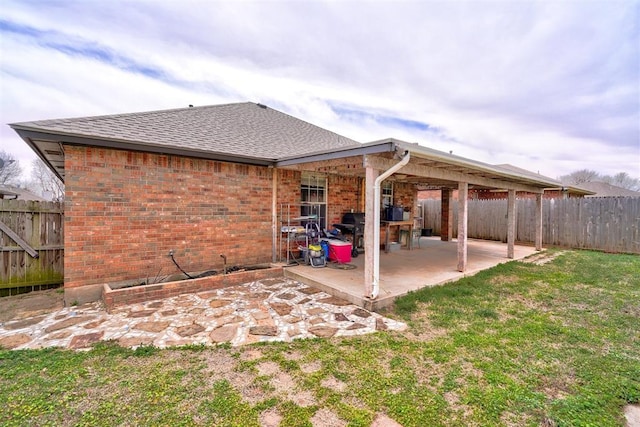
<point>426,168</point>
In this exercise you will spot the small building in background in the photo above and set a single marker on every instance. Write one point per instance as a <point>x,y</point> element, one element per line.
<point>18,193</point>
<point>602,189</point>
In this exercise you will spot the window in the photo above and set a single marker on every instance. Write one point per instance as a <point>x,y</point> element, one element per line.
<point>386,196</point>
<point>313,197</point>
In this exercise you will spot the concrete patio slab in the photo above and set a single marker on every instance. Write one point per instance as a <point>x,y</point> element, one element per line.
<point>433,263</point>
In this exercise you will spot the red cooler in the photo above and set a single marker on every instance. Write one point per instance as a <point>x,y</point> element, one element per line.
<point>340,251</point>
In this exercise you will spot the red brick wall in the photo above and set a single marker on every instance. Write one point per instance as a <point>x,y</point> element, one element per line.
<point>404,195</point>
<point>289,193</point>
<point>344,194</point>
<point>125,210</point>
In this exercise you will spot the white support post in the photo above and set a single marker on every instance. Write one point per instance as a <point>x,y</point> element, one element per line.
<point>369,224</point>
<point>463,214</point>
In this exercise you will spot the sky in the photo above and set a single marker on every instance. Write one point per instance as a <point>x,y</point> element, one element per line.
<point>549,86</point>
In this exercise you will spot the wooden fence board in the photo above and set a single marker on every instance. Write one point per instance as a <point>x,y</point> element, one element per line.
<point>609,224</point>
<point>40,225</point>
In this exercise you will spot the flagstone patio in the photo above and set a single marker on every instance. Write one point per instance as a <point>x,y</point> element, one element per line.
<point>276,309</point>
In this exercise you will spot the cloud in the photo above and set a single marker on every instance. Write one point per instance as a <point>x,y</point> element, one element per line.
<point>549,86</point>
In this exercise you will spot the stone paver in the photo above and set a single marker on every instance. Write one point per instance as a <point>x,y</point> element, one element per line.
<point>241,314</point>
<point>85,341</point>
<point>224,333</point>
<point>268,330</point>
<point>14,341</point>
<point>281,308</point>
<point>323,331</point>
<point>361,313</point>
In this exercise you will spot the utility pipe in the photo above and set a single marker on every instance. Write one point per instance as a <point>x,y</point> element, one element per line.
<point>375,288</point>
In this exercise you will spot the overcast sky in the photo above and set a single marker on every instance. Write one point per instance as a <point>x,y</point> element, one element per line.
<point>550,86</point>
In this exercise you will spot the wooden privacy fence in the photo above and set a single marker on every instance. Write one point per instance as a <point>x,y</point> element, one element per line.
<point>31,244</point>
<point>609,224</point>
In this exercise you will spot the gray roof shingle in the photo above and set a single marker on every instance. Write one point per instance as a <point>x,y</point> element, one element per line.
<point>241,129</point>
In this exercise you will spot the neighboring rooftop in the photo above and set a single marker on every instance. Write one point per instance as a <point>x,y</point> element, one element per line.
<point>10,192</point>
<point>572,189</point>
<point>602,189</point>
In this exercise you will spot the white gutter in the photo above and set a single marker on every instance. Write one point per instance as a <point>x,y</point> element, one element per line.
<point>375,288</point>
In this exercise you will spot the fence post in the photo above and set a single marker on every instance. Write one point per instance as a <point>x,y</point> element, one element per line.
<point>511,223</point>
<point>463,214</point>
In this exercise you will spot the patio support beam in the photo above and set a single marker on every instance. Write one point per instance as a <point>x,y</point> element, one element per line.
<point>449,175</point>
<point>463,216</point>
<point>538,234</point>
<point>511,223</point>
<point>446,215</point>
<point>370,179</point>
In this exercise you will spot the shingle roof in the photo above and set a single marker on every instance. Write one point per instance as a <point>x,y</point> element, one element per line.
<point>243,132</point>
<point>512,168</point>
<point>242,129</point>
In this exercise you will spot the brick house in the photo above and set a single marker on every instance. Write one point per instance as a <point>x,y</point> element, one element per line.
<point>212,180</point>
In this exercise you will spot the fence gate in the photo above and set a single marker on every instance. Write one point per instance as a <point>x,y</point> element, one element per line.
<point>31,245</point>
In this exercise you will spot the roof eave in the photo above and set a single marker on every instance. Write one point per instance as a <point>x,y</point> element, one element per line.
<point>431,154</point>
<point>377,147</point>
<point>29,135</point>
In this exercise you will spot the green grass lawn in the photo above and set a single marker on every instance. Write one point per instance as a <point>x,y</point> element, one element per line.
<point>521,344</point>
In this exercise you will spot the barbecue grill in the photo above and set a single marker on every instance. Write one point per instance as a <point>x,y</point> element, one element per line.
<point>353,224</point>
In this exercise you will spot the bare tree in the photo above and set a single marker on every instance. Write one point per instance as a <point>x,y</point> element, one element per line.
<point>624,180</point>
<point>10,169</point>
<point>580,176</point>
<point>45,181</point>
<point>621,179</point>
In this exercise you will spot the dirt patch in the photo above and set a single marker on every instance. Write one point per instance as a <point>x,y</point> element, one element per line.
<point>542,257</point>
<point>32,304</point>
<point>632,415</point>
<point>382,420</point>
<point>302,398</point>
<point>293,356</point>
<point>504,280</point>
<point>334,384</point>
<point>427,331</point>
<point>270,418</point>
<point>310,368</point>
<point>223,366</point>
<point>268,368</point>
<point>326,418</point>
<point>251,354</point>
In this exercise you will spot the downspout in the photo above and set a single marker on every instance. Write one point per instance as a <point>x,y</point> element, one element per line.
<point>375,288</point>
